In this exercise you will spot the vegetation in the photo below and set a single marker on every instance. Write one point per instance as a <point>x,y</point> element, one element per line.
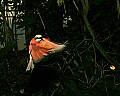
<point>91,28</point>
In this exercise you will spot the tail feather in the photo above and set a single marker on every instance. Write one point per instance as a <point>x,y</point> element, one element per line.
<point>30,64</point>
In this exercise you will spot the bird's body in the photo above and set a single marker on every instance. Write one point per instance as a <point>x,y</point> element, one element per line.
<point>45,70</point>
<point>40,47</point>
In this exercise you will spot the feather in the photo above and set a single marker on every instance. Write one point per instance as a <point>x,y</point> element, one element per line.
<point>30,64</point>
<point>40,48</point>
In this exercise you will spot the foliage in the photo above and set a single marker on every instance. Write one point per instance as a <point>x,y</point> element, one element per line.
<point>92,30</point>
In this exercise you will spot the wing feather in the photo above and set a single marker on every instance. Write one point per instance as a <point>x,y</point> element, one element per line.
<point>39,50</point>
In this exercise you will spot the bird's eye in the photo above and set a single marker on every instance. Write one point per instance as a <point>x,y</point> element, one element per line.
<point>37,40</point>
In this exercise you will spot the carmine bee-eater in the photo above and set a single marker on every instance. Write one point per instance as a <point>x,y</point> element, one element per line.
<point>40,47</point>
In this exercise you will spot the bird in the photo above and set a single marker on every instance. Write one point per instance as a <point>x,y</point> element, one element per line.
<point>43,52</point>
<point>40,47</point>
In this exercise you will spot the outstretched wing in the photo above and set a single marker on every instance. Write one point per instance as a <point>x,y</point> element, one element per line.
<point>40,49</point>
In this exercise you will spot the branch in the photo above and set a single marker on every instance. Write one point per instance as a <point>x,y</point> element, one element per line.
<point>92,33</point>
<point>42,21</point>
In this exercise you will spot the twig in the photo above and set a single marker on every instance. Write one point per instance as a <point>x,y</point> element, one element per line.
<point>114,82</point>
<point>54,91</point>
<point>95,58</point>
<point>86,78</point>
<point>107,38</point>
<point>42,21</point>
<point>92,33</point>
<point>79,44</point>
<point>106,89</point>
<point>86,49</point>
<point>96,82</point>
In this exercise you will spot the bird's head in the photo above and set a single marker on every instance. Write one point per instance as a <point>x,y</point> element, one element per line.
<point>36,40</point>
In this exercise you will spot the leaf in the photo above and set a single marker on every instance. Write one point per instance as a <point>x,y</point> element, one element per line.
<point>60,2</point>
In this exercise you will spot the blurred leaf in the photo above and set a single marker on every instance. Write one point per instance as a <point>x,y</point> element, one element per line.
<point>60,2</point>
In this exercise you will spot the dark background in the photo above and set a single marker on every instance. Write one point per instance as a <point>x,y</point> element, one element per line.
<point>82,69</point>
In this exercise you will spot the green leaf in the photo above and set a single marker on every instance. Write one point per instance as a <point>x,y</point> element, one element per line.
<point>60,2</point>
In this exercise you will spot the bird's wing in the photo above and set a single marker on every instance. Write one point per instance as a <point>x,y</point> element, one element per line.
<point>39,49</point>
<point>45,46</point>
